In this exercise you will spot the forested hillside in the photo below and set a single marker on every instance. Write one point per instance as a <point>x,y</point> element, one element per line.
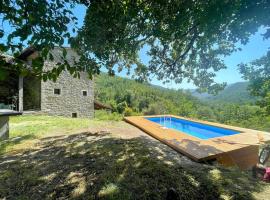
<point>234,93</point>
<point>128,97</point>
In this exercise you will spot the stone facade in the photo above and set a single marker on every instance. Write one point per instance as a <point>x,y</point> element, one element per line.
<point>68,96</point>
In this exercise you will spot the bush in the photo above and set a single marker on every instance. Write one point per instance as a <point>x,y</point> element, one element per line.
<point>106,115</point>
<point>156,109</point>
<point>121,107</point>
<point>128,111</point>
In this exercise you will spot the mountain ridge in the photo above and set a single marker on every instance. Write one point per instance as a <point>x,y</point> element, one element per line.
<point>233,93</point>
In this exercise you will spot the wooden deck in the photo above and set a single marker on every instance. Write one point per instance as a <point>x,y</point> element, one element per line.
<point>239,149</point>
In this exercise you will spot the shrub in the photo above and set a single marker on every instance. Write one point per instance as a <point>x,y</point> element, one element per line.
<point>128,111</point>
<point>106,115</point>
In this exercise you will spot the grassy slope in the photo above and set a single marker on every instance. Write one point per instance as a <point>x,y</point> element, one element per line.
<point>26,130</point>
<point>50,162</point>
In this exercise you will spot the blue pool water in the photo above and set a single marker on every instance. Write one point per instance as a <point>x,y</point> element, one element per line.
<point>199,130</point>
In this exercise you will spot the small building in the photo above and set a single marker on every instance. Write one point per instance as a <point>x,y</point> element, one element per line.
<point>67,96</point>
<point>100,106</point>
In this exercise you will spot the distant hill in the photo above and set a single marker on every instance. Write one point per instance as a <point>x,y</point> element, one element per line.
<point>233,93</point>
<point>126,95</point>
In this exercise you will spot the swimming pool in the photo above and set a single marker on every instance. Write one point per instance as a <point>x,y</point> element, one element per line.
<point>199,130</point>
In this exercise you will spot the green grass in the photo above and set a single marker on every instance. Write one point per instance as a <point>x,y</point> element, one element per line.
<point>104,115</point>
<point>51,162</point>
<point>82,167</point>
<point>26,129</point>
<point>41,125</point>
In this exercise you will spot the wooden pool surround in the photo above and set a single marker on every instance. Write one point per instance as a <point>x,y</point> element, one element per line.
<point>235,150</point>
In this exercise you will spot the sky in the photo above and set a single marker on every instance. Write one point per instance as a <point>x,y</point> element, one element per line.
<point>256,48</point>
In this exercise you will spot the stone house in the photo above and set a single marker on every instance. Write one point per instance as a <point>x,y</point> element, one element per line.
<point>67,96</point>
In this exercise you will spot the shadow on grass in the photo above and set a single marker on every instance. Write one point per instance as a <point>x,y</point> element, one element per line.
<point>4,144</point>
<point>97,166</point>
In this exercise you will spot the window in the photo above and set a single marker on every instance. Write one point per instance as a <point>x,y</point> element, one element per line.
<point>74,115</point>
<point>84,93</point>
<point>57,91</point>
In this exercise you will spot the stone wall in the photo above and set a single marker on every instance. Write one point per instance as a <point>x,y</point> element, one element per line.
<point>71,99</point>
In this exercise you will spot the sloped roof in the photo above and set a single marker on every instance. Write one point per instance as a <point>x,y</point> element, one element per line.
<point>98,105</point>
<point>26,52</point>
<point>57,53</point>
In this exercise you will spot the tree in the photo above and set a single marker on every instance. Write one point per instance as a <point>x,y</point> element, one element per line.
<point>185,39</point>
<point>258,74</point>
<point>42,24</point>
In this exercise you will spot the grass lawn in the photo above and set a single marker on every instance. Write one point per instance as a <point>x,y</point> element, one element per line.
<point>60,158</point>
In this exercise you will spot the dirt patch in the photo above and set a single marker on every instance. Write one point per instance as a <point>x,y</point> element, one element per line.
<point>124,130</point>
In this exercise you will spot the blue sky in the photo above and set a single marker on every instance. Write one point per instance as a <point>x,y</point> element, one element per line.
<point>254,49</point>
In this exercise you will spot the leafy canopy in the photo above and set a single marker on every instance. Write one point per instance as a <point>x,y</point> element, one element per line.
<point>258,73</point>
<point>42,24</point>
<point>184,39</point>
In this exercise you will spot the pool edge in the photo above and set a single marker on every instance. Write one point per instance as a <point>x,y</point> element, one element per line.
<point>138,121</point>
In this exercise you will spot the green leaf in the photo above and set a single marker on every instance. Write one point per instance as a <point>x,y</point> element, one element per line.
<point>64,52</point>
<point>3,74</point>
